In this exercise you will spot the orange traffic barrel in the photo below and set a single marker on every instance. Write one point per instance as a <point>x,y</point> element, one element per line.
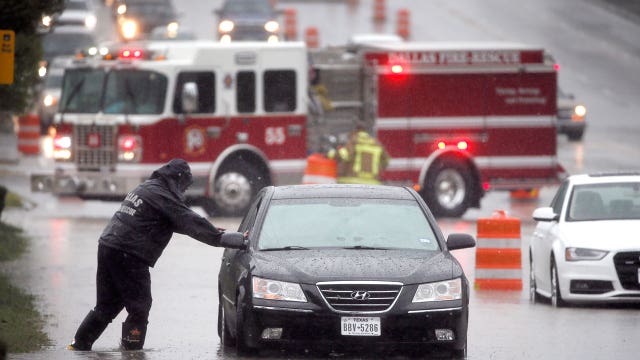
<point>402,23</point>
<point>379,11</point>
<point>525,194</point>
<point>290,24</point>
<point>498,253</point>
<point>29,134</point>
<point>311,37</point>
<point>320,170</point>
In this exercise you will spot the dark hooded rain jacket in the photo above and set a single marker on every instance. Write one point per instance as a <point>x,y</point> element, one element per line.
<point>153,211</point>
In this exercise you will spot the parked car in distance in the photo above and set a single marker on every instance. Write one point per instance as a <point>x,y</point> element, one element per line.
<point>136,19</point>
<point>64,41</point>
<point>585,246</point>
<point>78,13</point>
<point>572,116</point>
<point>51,90</point>
<point>343,265</point>
<point>248,20</point>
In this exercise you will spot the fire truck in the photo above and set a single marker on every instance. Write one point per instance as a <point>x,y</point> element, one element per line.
<point>458,119</point>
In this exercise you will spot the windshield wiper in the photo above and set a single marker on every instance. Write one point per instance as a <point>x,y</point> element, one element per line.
<point>364,247</point>
<point>290,247</point>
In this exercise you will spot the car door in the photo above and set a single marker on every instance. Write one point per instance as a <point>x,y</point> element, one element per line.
<point>235,261</point>
<point>544,235</point>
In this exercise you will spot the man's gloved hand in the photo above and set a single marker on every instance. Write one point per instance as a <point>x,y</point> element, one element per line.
<point>221,229</point>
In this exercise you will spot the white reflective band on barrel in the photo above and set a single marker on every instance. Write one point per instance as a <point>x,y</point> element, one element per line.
<point>318,179</point>
<point>498,273</point>
<point>498,243</point>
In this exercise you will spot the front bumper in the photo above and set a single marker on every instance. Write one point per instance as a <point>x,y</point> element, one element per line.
<point>90,184</point>
<point>319,328</point>
<point>600,281</point>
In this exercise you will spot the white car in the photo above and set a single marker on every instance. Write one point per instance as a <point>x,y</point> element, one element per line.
<point>586,244</point>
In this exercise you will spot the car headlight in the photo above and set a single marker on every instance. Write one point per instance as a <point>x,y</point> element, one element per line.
<point>439,291</point>
<point>277,290</point>
<point>225,26</point>
<point>272,26</point>
<point>579,254</point>
<point>90,22</point>
<point>129,29</point>
<point>579,112</point>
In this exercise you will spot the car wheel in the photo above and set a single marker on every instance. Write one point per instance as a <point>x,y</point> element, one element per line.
<point>448,188</point>
<point>223,331</point>
<point>556,296</point>
<point>233,190</point>
<point>575,135</point>
<point>534,297</point>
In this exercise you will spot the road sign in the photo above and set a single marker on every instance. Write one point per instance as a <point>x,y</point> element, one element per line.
<point>7,51</point>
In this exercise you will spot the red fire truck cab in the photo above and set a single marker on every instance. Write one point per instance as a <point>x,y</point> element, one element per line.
<point>458,119</point>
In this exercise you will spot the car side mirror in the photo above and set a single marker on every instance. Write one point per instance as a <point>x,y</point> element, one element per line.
<point>189,97</point>
<point>545,214</point>
<point>460,241</point>
<point>233,240</point>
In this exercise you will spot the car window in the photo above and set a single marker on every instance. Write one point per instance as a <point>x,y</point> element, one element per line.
<point>558,199</point>
<point>322,223</point>
<point>612,201</point>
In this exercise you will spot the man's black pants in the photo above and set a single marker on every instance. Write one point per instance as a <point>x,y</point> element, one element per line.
<point>122,281</point>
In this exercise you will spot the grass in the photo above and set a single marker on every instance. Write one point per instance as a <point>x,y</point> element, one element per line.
<point>20,323</point>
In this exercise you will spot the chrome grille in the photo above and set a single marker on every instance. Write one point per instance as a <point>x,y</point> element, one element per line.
<point>360,296</point>
<point>98,155</point>
<point>627,264</point>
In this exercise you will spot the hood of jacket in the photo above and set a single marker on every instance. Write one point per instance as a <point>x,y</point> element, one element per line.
<point>177,174</point>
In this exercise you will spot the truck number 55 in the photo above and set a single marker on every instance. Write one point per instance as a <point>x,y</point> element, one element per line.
<point>274,135</point>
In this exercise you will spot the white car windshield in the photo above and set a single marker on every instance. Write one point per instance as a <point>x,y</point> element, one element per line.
<point>612,201</point>
<point>346,223</point>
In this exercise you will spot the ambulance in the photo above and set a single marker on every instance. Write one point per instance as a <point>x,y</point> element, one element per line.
<point>458,119</point>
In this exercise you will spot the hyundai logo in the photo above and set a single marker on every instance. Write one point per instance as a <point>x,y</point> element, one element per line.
<point>360,295</point>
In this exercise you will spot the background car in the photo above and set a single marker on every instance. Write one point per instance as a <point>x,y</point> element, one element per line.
<point>572,116</point>
<point>585,246</point>
<point>78,13</point>
<point>343,265</point>
<point>136,19</point>
<point>64,41</point>
<point>248,20</point>
<point>50,92</point>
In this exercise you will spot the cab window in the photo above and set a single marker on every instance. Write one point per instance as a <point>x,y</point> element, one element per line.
<point>279,90</point>
<point>246,92</point>
<point>205,82</point>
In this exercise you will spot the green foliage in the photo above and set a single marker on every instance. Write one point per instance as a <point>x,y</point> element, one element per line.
<point>20,323</point>
<point>23,17</point>
<point>12,242</point>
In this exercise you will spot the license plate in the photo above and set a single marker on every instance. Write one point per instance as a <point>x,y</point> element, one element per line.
<point>360,326</point>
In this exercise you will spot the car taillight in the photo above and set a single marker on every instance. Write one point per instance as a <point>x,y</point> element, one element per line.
<point>62,147</point>
<point>129,148</point>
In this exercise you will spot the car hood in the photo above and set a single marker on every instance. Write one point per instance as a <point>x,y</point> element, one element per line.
<point>312,266</point>
<point>604,235</point>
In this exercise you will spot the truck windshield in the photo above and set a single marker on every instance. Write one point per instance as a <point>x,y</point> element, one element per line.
<point>113,92</point>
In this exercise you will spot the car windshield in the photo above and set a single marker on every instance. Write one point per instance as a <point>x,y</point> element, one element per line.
<point>346,223</point>
<point>247,7</point>
<point>115,92</point>
<point>54,44</point>
<point>613,201</point>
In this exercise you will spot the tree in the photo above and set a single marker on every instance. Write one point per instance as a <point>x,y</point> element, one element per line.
<point>23,17</point>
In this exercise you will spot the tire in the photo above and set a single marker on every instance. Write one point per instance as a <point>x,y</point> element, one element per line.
<point>226,339</point>
<point>534,297</point>
<point>575,135</point>
<point>556,295</point>
<point>448,188</point>
<point>233,190</point>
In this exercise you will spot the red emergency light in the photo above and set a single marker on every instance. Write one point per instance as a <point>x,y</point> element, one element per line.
<point>131,54</point>
<point>461,144</point>
<point>397,69</point>
<point>128,143</point>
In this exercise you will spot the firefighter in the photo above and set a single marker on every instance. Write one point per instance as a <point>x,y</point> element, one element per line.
<point>131,243</point>
<point>361,160</point>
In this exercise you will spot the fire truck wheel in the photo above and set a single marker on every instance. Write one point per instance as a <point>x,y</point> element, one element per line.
<point>234,189</point>
<point>447,189</point>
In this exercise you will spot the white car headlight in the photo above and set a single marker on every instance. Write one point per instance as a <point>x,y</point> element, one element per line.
<point>225,26</point>
<point>277,290</point>
<point>578,254</point>
<point>272,26</point>
<point>439,291</point>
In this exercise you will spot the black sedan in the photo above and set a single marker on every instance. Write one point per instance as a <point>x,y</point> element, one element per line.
<point>343,265</point>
